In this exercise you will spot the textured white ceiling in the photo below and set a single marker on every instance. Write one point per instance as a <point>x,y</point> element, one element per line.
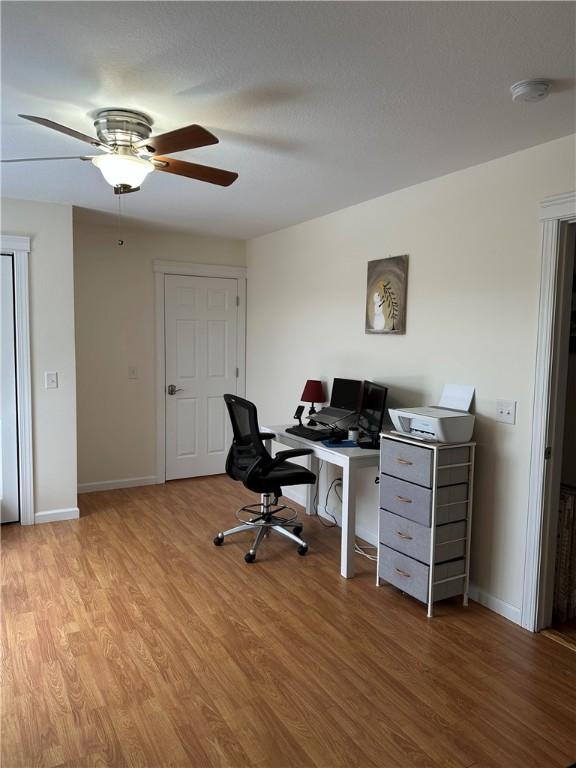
<point>317,105</point>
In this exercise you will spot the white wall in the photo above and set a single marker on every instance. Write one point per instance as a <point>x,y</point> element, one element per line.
<point>115,329</point>
<point>473,240</point>
<point>52,347</point>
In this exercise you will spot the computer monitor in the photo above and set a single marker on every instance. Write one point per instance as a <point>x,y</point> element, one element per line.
<point>372,410</point>
<point>346,394</point>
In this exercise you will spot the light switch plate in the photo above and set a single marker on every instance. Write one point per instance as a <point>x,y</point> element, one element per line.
<point>506,411</point>
<point>132,372</point>
<point>50,380</point>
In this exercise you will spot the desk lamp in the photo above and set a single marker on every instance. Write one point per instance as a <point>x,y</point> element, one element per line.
<point>313,393</point>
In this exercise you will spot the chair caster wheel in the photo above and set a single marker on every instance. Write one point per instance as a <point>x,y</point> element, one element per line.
<point>302,549</point>
<point>298,530</point>
<point>219,539</point>
<point>249,557</point>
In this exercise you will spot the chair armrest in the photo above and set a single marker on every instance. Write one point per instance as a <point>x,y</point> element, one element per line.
<point>267,435</point>
<point>280,458</point>
<point>283,456</point>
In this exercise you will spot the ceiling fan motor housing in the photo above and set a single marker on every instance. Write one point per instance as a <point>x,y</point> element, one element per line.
<point>122,127</point>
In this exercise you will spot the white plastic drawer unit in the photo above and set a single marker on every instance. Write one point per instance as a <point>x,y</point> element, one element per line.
<point>425,517</point>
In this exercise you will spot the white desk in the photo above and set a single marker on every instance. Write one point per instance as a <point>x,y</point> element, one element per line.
<point>350,459</point>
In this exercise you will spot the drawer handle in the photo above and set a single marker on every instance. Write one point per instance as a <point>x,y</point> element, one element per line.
<point>404,461</point>
<point>404,535</point>
<point>400,572</point>
<point>404,500</point>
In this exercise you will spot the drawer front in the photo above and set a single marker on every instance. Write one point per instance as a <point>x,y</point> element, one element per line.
<point>408,575</point>
<point>413,539</point>
<point>412,577</point>
<point>408,462</point>
<point>405,499</point>
<point>415,463</point>
<point>405,536</point>
<point>415,502</point>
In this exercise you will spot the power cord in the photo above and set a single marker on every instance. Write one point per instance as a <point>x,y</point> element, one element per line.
<point>315,509</point>
<point>363,551</point>
<point>333,484</point>
<point>336,484</point>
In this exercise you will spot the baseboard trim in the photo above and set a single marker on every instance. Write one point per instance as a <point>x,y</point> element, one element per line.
<point>509,612</point>
<point>293,495</point>
<point>56,515</point>
<point>111,485</point>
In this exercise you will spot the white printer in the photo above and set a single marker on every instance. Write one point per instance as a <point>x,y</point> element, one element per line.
<point>447,422</point>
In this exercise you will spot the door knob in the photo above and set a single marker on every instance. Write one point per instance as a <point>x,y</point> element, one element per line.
<point>172,389</point>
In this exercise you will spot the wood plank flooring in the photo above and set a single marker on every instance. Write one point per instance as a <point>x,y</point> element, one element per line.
<point>563,633</point>
<point>130,640</point>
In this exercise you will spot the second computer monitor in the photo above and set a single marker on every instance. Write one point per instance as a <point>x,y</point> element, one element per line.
<point>372,409</point>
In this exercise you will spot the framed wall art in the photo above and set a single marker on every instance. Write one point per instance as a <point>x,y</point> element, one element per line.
<point>386,295</point>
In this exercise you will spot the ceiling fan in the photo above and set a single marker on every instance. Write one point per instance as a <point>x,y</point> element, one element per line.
<point>131,153</point>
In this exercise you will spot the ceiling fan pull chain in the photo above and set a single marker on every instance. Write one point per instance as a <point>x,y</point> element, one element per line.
<point>119,220</point>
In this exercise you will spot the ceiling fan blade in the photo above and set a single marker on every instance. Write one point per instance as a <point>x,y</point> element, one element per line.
<point>190,137</point>
<point>34,159</point>
<point>194,171</point>
<point>64,129</point>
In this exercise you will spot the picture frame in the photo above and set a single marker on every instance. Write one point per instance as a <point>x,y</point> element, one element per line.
<point>386,294</point>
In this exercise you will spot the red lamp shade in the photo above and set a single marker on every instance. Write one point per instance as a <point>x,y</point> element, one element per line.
<point>313,392</point>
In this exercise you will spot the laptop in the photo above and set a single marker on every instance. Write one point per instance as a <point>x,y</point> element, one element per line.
<point>345,401</point>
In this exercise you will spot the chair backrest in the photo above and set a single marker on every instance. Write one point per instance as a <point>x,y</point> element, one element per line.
<point>247,445</point>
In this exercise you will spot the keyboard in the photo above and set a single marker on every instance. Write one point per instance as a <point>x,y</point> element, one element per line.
<point>310,434</point>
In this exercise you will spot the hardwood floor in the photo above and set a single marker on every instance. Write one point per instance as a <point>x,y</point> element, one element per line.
<point>130,640</point>
<point>563,633</point>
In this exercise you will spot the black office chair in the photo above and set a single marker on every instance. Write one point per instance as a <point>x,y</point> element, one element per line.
<point>249,461</point>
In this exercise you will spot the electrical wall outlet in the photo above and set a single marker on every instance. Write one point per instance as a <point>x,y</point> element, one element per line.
<point>50,380</point>
<point>506,411</point>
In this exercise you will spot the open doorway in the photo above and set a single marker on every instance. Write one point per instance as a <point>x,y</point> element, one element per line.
<point>551,393</point>
<point>563,625</point>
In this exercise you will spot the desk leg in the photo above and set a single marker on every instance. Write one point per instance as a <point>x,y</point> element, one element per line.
<point>313,466</point>
<point>348,522</point>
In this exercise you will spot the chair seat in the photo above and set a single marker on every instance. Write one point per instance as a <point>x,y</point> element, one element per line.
<point>285,474</point>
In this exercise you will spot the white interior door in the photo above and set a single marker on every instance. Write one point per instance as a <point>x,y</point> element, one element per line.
<point>201,319</point>
<point>9,493</point>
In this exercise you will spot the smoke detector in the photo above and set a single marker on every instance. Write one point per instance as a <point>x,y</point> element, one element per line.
<point>530,90</point>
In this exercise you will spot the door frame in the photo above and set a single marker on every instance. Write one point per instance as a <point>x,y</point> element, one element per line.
<point>19,248</point>
<point>162,268</point>
<point>556,213</point>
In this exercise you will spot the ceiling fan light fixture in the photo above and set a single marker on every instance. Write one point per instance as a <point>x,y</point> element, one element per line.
<point>123,170</point>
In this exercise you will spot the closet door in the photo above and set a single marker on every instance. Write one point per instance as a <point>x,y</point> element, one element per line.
<point>9,494</point>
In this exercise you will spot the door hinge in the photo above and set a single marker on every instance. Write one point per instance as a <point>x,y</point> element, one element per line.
<point>547,453</point>
<point>237,301</point>
<point>237,372</point>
